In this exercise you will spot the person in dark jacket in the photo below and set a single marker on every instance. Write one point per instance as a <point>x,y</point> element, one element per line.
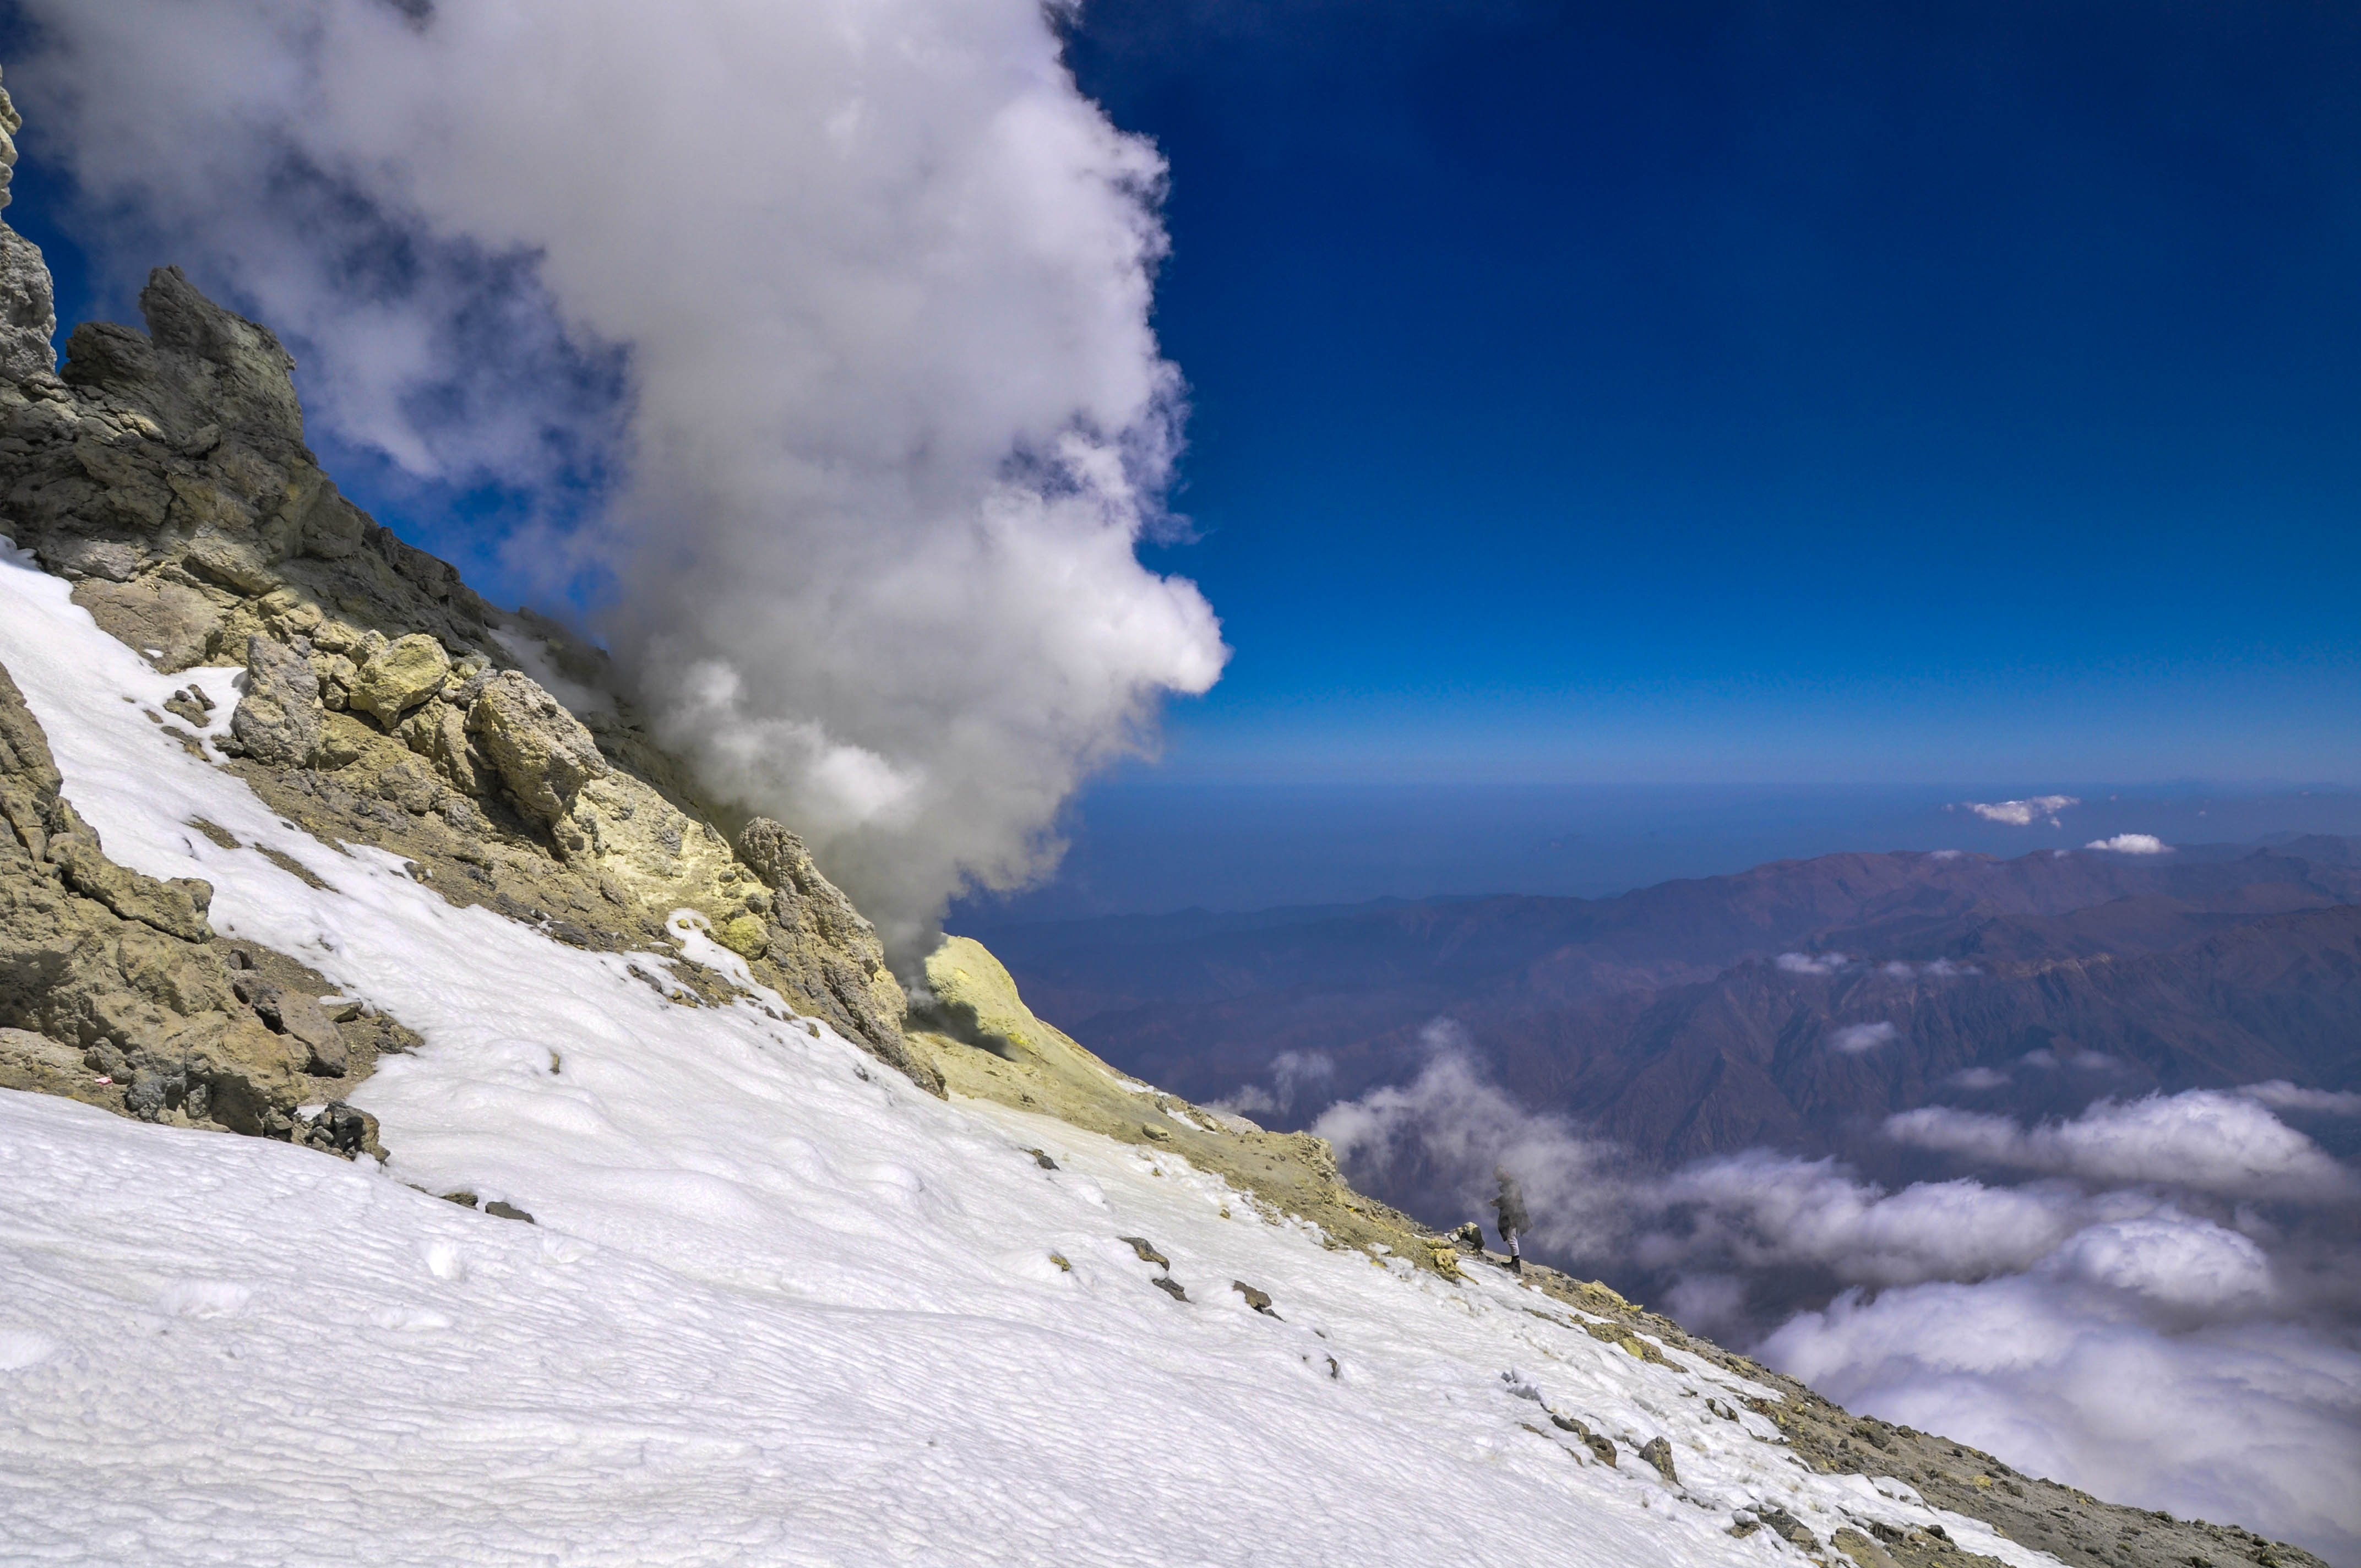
<point>1509,1209</point>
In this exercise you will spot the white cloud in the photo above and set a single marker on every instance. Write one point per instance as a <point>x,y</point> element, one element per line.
<point>1763,1210</point>
<point>1977,1078</point>
<point>854,298</point>
<point>2119,1323</point>
<point>2203,1140</point>
<point>2282,1095</point>
<point>2131,844</point>
<point>2022,813</point>
<point>2169,1259</point>
<point>1812,963</point>
<point>2068,1377</point>
<point>1855,1038</point>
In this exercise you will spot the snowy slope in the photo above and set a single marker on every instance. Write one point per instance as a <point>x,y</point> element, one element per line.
<point>778,1307</point>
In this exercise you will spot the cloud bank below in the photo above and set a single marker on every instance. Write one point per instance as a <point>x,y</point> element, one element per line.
<point>2161,1311</point>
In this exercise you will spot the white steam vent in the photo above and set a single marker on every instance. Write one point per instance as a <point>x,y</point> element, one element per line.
<point>854,295</point>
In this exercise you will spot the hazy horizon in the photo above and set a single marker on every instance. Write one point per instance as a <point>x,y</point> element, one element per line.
<point>1150,846</point>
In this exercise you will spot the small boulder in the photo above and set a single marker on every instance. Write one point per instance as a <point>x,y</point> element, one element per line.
<point>173,618</point>
<point>25,1050</point>
<point>348,1131</point>
<point>111,559</point>
<point>398,677</point>
<point>541,753</point>
<point>280,720</point>
<point>298,1017</point>
<point>1259,1299</point>
<point>1601,1447</point>
<point>230,562</point>
<point>1659,1453</point>
<point>1170,1286</point>
<point>438,733</point>
<point>747,935</point>
<point>1147,1251</point>
<point>177,907</point>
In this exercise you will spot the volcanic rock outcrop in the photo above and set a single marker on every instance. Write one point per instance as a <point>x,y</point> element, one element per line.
<point>384,702</point>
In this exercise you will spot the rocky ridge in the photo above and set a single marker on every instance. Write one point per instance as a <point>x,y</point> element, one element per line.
<point>384,703</point>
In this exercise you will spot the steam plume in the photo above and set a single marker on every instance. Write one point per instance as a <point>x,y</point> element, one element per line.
<point>855,296</point>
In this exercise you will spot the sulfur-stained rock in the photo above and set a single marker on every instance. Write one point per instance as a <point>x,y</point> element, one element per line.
<point>541,753</point>
<point>279,722</point>
<point>398,677</point>
<point>28,774</point>
<point>23,1048</point>
<point>177,907</point>
<point>233,563</point>
<point>301,1019</point>
<point>438,733</point>
<point>829,951</point>
<point>1865,1553</point>
<point>745,934</point>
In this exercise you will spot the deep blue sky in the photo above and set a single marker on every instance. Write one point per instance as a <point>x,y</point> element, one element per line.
<point>1734,391</point>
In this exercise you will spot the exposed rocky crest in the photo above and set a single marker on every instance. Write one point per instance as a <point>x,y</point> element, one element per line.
<point>115,991</point>
<point>384,702</point>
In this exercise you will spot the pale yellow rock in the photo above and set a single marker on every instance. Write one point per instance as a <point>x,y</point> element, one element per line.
<point>746,935</point>
<point>398,677</point>
<point>543,753</point>
<point>1865,1552</point>
<point>973,987</point>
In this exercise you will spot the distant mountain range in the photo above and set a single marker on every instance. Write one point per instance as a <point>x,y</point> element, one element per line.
<point>1793,1005</point>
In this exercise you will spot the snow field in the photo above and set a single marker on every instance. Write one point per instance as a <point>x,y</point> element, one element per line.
<point>778,1305</point>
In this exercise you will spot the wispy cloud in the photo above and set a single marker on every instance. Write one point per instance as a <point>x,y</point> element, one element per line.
<point>2022,813</point>
<point>2206,1140</point>
<point>2282,1095</point>
<point>1812,963</point>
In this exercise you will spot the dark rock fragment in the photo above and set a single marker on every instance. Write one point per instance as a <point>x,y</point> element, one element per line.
<point>1601,1447</point>
<point>280,721</point>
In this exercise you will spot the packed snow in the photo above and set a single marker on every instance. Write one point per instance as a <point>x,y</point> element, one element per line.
<point>776,1304</point>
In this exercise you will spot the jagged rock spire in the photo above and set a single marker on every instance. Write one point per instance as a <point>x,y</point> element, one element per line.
<point>28,315</point>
